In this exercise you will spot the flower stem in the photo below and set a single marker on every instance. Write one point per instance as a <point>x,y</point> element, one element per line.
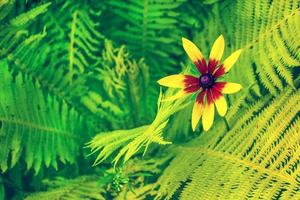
<point>226,123</point>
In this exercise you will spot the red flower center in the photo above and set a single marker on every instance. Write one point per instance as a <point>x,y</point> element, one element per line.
<point>206,80</point>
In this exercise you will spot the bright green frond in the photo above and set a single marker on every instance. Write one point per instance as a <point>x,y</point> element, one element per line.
<point>131,141</point>
<point>257,158</point>
<point>33,125</point>
<point>267,32</point>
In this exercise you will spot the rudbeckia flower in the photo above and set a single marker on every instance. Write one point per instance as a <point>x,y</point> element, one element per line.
<point>210,92</point>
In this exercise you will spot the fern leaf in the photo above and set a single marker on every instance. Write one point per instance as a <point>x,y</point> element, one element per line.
<point>74,63</point>
<point>134,140</point>
<point>268,36</point>
<point>5,8</point>
<point>33,125</point>
<point>257,158</point>
<point>109,142</point>
<point>24,18</point>
<point>66,76</point>
<point>142,33</point>
<point>83,187</point>
<point>13,33</point>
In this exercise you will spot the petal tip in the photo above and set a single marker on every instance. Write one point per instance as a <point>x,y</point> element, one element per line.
<point>208,116</point>
<point>159,81</point>
<point>222,114</point>
<point>206,128</point>
<point>240,87</point>
<point>217,49</point>
<point>193,128</point>
<point>221,39</point>
<point>186,42</point>
<point>230,88</point>
<point>239,51</point>
<point>194,125</point>
<point>183,39</point>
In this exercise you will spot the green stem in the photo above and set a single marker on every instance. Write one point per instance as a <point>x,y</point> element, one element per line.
<point>226,123</point>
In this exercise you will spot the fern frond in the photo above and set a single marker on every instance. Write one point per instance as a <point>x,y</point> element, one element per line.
<point>84,187</point>
<point>24,18</point>
<point>64,66</point>
<point>176,174</point>
<point>139,193</point>
<point>260,153</point>
<point>134,140</point>
<point>151,30</point>
<point>109,142</point>
<point>34,125</point>
<point>12,29</point>
<point>266,31</point>
<point>124,79</point>
<point>5,8</point>
<point>72,58</point>
<point>141,173</point>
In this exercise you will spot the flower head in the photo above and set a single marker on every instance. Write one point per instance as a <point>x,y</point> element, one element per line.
<point>209,90</point>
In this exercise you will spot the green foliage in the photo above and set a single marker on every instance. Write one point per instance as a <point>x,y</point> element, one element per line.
<point>77,74</point>
<point>73,57</point>
<point>134,140</point>
<point>123,78</point>
<point>62,53</point>
<point>40,128</point>
<point>12,28</point>
<point>266,31</point>
<point>259,153</point>
<point>117,184</point>
<point>83,187</point>
<point>150,29</point>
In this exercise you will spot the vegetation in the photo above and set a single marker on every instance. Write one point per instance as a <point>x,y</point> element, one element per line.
<point>82,115</point>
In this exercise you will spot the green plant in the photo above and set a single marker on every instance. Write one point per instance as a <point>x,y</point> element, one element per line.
<point>41,129</point>
<point>82,115</point>
<point>149,28</point>
<point>260,148</point>
<point>84,187</point>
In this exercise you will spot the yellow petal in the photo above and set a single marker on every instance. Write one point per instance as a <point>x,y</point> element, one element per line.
<point>217,49</point>
<point>192,50</point>
<point>174,81</point>
<point>208,116</point>
<point>178,95</point>
<point>230,88</point>
<point>196,114</point>
<point>221,105</point>
<point>229,62</point>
